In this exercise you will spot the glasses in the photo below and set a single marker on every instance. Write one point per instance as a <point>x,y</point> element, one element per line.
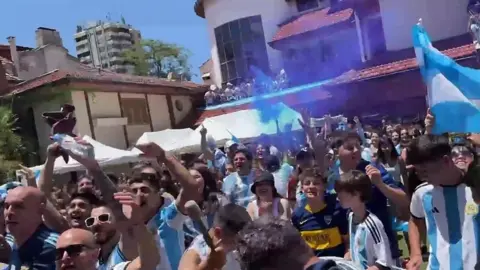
<point>101,218</point>
<point>461,152</point>
<point>72,251</point>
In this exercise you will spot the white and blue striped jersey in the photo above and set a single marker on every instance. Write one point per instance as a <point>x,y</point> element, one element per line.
<point>453,221</point>
<point>369,244</point>
<point>115,257</point>
<point>168,226</point>
<point>203,250</point>
<point>237,189</point>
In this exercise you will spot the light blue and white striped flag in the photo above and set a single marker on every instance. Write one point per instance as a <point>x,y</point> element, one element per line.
<point>453,90</point>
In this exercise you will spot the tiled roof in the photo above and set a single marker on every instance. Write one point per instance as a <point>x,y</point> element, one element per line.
<point>312,21</point>
<point>199,9</point>
<point>85,73</point>
<point>398,66</point>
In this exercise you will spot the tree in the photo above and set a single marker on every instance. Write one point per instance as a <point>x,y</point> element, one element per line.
<point>157,59</point>
<point>12,148</point>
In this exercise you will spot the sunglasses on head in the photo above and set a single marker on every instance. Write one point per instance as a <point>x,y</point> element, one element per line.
<point>72,251</point>
<point>101,218</point>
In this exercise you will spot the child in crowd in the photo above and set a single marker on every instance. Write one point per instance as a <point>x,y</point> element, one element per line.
<point>322,222</point>
<point>369,244</point>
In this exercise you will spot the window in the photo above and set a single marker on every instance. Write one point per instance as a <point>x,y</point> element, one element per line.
<point>135,109</point>
<point>241,43</point>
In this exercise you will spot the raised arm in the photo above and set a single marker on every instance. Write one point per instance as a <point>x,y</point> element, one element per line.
<point>137,234</point>
<point>182,175</point>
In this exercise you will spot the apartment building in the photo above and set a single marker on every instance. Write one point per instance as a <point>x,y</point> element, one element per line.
<point>101,45</point>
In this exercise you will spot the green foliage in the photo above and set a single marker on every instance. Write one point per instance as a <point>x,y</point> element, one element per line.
<point>157,59</point>
<point>12,147</point>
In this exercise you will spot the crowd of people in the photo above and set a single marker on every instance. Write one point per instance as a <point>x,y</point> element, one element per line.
<point>253,87</point>
<point>333,202</point>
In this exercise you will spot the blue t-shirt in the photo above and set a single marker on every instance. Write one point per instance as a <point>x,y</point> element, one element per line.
<point>38,252</point>
<point>378,204</point>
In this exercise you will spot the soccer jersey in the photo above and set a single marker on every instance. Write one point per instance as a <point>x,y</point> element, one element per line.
<point>203,250</point>
<point>453,221</point>
<point>237,189</point>
<point>116,257</point>
<point>38,252</point>
<point>369,243</point>
<point>323,230</point>
<point>378,203</point>
<point>168,225</point>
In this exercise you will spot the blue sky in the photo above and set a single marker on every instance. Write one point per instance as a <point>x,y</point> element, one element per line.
<point>166,20</point>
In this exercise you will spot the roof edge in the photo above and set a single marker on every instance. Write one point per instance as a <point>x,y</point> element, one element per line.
<point>199,9</point>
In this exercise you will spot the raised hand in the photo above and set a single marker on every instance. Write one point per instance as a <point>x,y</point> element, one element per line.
<point>374,174</point>
<point>130,206</point>
<point>54,150</point>
<point>151,150</point>
<point>26,172</point>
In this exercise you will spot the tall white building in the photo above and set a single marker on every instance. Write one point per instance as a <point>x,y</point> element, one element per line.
<point>101,44</point>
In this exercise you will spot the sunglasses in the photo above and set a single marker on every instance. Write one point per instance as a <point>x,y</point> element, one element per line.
<point>101,218</point>
<point>461,152</point>
<point>72,251</point>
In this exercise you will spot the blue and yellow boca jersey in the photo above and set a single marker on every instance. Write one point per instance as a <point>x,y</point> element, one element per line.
<point>323,230</point>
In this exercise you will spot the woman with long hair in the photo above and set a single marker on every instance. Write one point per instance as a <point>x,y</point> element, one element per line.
<point>268,201</point>
<point>391,160</point>
<point>209,199</point>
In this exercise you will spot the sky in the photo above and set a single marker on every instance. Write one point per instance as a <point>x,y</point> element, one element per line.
<point>167,20</point>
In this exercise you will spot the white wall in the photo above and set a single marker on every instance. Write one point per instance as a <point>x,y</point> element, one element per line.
<point>441,18</point>
<point>273,12</point>
<point>186,103</point>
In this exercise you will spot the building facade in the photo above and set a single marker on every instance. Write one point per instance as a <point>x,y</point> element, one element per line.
<point>114,109</point>
<point>101,44</point>
<point>317,39</point>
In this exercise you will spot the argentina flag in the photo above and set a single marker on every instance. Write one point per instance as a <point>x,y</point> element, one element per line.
<point>453,90</point>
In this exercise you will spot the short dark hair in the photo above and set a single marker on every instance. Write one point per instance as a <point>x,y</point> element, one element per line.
<point>355,182</point>
<point>272,243</point>
<point>314,172</point>
<point>139,177</point>
<point>86,176</point>
<point>345,136</point>
<point>231,218</point>
<point>87,196</point>
<point>246,153</point>
<point>428,148</point>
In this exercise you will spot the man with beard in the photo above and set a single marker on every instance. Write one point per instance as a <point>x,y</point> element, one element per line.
<point>160,213</point>
<point>79,249</point>
<point>32,243</point>
<point>79,209</point>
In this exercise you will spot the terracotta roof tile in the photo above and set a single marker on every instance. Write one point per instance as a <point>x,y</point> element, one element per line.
<point>398,66</point>
<point>95,75</point>
<point>312,21</point>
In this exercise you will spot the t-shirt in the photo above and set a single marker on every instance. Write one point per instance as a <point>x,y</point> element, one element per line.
<point>202,249</point>
<point>369,243</point>
<point>323,230</point>
<point>324,265</point>
<point>116,257</point>
<point>38,252</point>
<point>168,226</point>
<point>378,204</point>
<point>453,225</point>
<point>281,178</point>
<point>237,189</point>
